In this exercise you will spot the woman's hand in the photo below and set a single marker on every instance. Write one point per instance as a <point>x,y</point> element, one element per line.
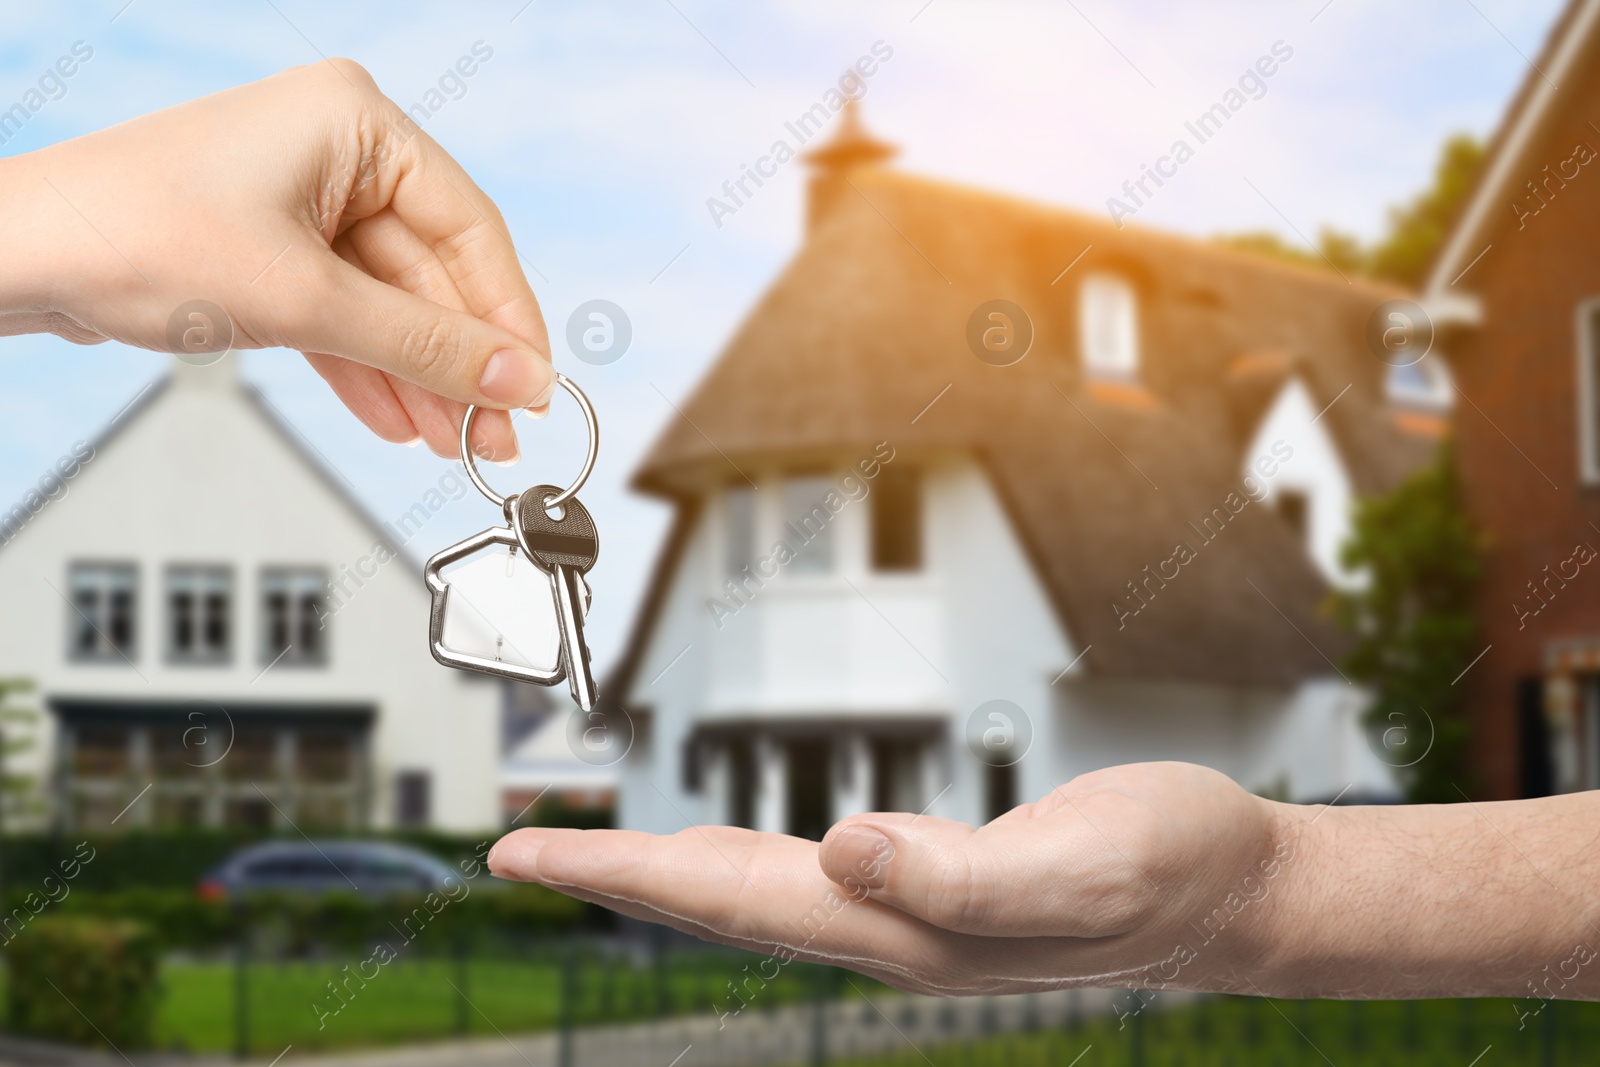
<point>1149,875</point>
<point>318,217</point>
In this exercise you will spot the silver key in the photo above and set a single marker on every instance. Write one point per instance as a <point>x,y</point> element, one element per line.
<point>564,545</point>
<point>500,626</point>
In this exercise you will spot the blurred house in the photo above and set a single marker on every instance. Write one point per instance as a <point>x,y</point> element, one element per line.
<point>1515,298</point>
<point>936,550</point>
<point>221,636</point>
<point>541,764</point>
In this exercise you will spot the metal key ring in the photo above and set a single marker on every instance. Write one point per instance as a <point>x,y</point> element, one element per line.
<point>470,462</point>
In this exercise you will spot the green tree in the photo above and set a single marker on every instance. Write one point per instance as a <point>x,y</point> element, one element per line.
<point>1415,230</point>
<point>1337,250</point>
<point>1267,243</point>
<point>1417,555</point>
<point>16,735</point>
<point>1342,250</point>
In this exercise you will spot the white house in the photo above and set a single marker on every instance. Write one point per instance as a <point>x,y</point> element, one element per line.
<point>984,495</point>
<point>541,764</point>
<point>221,636</point>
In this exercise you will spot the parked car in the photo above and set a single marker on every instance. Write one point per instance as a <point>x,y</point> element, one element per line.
<point>373,868</point>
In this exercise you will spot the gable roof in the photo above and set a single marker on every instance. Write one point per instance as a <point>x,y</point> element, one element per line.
<point>867,326</point>
<point>324,472</point>
<point>148,398</point>
<point>142,400</point>
<point>1569,49</point>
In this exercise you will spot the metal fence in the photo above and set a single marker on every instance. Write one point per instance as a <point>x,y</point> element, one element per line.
<point>504,1002</point>
<point>612,1001</point>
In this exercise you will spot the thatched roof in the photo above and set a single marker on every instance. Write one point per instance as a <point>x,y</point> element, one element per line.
<point>868,324</point>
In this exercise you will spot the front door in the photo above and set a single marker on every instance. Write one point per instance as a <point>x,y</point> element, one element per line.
<point>810,787</point>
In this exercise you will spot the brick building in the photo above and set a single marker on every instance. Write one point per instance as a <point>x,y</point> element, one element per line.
<point>1515,295</point>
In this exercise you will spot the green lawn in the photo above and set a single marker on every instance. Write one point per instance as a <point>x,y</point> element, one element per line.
<point>414,999</point>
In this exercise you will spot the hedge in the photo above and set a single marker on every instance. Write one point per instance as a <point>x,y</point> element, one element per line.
<point>175,860</point>
<point>83,980</point>
<point>297,923</point>
<point>178,859</point>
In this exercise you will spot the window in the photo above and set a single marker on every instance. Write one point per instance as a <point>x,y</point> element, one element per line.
<point>103,625</point>
<point>101,752</point>
<point>293,604</point>
<point>204,767</point>
<point>896,774</point>
<point>1108,323</point>
<point>253,757</point>
<point>1423,384</point>
<point>1536,765</point>
<point>104,759</point>
<point>810,527</point>
<point>412,798</point>
<point>199,614</point>
<point>325,756</point>
<point>1589,390</point>
<point>1295,508</point>
<point>740,550</point>
<point>896,512</point>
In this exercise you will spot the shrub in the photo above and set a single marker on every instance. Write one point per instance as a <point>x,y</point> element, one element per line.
<point>1414,625</point>
<point>87,981</point>
<point>178,859</point>
<point>295,924</point>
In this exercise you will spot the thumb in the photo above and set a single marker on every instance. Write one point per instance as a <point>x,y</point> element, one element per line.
<point>445,351</point>
<point>1010,878</point>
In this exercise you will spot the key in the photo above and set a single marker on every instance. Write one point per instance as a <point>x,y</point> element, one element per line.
<point>564,547</point>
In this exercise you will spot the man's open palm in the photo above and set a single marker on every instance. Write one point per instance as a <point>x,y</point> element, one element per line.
<point>1097,883</point>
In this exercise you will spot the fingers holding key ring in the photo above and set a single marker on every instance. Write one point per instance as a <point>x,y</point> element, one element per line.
<point>469,461</point>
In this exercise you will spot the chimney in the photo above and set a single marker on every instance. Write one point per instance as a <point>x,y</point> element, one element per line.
<point>852,147</point>
<point>220,372</point>
<point>200,336</point>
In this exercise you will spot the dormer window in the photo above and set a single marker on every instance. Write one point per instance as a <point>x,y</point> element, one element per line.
<point>1294,506</point>
<point>1108,318</point>
<point>1423,384</point>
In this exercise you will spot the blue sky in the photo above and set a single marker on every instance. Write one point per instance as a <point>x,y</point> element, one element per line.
<point>602,128</point>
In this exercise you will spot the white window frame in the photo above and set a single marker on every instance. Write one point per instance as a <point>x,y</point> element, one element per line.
<point>109,576</point>
<point>199,579</point>
<point>1588,351</point>
<point>808,490</point>
<point>1108,305</point>
<point>297,580</point>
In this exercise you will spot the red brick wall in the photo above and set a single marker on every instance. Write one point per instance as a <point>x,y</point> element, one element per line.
<point>1520,369</point>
